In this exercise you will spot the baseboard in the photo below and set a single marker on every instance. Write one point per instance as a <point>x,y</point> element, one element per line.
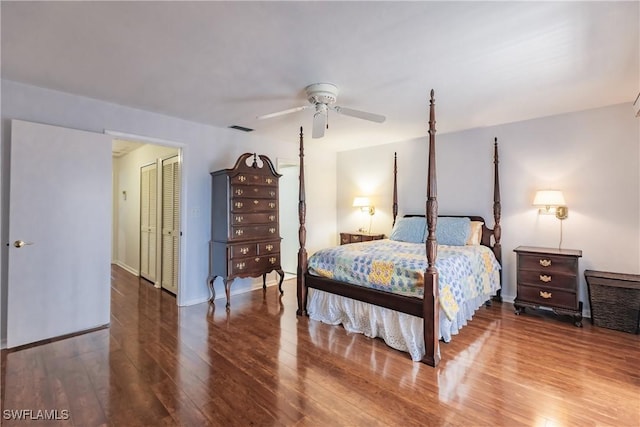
<point>194,301</point>
<point>126,267</point>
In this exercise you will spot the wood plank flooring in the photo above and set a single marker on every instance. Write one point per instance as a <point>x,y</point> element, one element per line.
<point>158,364</point>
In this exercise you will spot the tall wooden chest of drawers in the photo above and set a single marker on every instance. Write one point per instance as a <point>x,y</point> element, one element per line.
<point>245,239</point>
<point>548,277</point>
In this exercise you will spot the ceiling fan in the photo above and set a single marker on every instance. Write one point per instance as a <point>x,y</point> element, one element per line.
<point>322,97</point>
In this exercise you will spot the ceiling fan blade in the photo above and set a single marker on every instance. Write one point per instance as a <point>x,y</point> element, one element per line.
<point>359,114</point>
<point>319,124</point>
<point>282,113</point>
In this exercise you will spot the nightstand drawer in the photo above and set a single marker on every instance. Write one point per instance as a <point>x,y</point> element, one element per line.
<point>548,297</point>
<point>557,264</point>
<point>547,278</point>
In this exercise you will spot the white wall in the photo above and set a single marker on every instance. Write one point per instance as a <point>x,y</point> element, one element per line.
<point>592,156</point>
<point>205,149</point>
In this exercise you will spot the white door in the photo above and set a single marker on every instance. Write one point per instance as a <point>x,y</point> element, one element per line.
<point>148,220</point>
<point>60,209</point>
<point>170,223</point>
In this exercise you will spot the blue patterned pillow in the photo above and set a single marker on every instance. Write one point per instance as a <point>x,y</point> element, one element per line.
<point>410,229</point>
<point>453,231</point>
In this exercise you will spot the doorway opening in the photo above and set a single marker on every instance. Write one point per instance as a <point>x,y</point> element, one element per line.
<point>147,210</point>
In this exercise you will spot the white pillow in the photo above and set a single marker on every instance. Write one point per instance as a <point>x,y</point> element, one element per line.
<point>475,236</point>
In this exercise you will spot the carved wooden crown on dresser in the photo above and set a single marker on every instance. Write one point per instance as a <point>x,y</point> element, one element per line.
<point>245,236</point>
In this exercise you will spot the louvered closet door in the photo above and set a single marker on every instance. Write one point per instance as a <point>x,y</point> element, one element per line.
<point>148,221</point>
<point>170,222</point>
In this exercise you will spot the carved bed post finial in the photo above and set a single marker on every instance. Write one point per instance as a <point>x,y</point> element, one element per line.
<point>395,187</point>
<point>431,306</point>
<point>497,229</point>
<point>302,236</point>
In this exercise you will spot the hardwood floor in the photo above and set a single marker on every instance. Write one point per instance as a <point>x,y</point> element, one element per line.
<point>158,364</point>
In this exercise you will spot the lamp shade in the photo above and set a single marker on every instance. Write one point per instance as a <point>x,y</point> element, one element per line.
<point>361,202</point>
<point>549,198</point>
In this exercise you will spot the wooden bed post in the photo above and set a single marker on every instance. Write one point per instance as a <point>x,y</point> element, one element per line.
<point>431,305</point>
<point>395,188</point>
<point>302,237</point>
<point>497,229</point>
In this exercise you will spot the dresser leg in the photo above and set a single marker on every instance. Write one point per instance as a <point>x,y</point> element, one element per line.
<point>264,281</point>
<point>518,308</point>
<point>212,290</point>
<point>281,273</point>
<point>227,290</point>
<point>577,318</point>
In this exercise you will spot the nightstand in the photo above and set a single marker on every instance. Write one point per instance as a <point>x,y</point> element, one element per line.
<point>346,238</point>
<point>548,277</point>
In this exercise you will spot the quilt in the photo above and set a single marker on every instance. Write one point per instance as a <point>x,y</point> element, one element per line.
<point>465,272</point>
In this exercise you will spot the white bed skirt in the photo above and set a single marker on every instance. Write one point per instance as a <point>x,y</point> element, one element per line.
<point>401,331</point>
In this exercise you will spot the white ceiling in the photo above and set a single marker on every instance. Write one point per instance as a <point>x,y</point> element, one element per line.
<point>224,63</point>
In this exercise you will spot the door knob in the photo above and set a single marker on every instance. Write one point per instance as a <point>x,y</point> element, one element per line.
<point>20,243</point>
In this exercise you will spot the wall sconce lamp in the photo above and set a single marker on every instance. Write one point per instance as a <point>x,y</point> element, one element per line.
<point>365,206</point>
<point>551,202</point>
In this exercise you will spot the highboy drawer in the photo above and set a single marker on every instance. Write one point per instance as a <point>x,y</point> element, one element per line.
<point>253,205</point>
<point>255,265</point>
<point>247,178</point>
<point>242,251</point>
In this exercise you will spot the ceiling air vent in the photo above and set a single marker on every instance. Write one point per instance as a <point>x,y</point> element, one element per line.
<point>242,128</point>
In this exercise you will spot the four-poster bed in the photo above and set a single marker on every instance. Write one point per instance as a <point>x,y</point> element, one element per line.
<point>423,306</point>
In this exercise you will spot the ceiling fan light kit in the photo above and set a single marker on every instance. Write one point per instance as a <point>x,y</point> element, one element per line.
<point>322,96</point>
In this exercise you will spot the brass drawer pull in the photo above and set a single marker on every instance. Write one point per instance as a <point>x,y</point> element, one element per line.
<point>239,191</point>
<point>239,205</point>
<point>272,230</point>
<point>255,202</point>
<point>269,247</point>
<point>242,178</point>
<point>544,278</point>
<point>545,295</point>
<point>244,251</point>
<point>239,232</point>
<point>269,180</point>
<point>272,193</point>
<point>240,265</point>
<point>257,259</point>
<point>272,205</point>
<point>272,260</point>
<point>239,218</point>
<point>545,262</point>
<point>272,217</point>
